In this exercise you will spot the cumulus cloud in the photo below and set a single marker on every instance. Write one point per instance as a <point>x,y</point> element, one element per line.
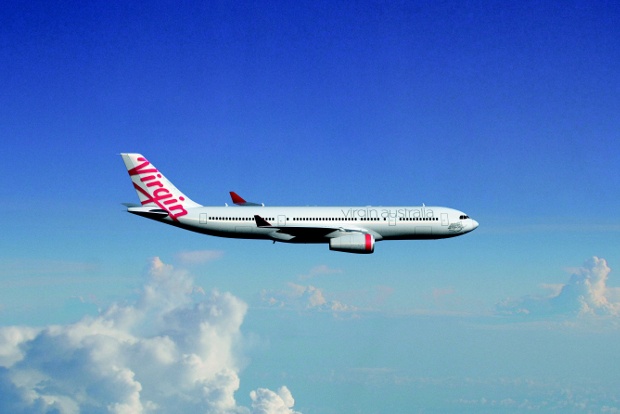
<point>175,350</point>
<point>306,297</point>
<point>585,293</point>
<point>303,297</point>
<point>10,338</point>
<point>265,401</point>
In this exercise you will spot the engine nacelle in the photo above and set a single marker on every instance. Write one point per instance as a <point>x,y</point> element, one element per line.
<point>363,243</point>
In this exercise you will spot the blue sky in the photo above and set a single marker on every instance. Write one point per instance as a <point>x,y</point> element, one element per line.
<point>508,112</point>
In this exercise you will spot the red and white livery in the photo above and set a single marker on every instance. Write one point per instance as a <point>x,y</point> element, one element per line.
<point>345,229</point>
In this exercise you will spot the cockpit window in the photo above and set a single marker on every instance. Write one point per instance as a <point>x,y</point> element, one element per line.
<point>463,217</point>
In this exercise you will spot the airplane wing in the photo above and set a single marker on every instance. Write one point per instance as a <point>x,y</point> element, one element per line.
<point>238,200</point>
<point>352,240</point>
<point>305,232</point>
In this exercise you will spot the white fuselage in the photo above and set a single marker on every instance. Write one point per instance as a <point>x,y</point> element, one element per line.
<point>384,223</point>
<point>345,229</point>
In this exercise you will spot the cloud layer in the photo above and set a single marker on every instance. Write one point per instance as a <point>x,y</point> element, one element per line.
<point>303,297</point>
<point>175,350</point>
<point>586,293</point>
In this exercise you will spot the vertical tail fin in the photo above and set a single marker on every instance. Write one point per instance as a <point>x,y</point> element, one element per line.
<point>154,189</point>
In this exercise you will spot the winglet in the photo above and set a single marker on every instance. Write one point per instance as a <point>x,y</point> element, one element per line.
<point>238,200</point>
<point>261,222</point>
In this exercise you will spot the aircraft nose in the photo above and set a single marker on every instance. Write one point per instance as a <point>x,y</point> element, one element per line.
<point>474,224</point>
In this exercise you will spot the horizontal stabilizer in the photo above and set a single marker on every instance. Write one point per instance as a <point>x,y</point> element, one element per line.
<point>149,212</point>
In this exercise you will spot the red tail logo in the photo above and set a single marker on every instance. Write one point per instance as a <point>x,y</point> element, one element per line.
<point>159,195</point>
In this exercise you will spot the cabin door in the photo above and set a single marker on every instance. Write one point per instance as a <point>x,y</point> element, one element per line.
<point>444,219</point>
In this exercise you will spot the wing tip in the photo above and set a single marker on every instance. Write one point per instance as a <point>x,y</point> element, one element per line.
<point>236,198</point>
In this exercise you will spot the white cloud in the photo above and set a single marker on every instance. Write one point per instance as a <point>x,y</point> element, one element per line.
<point>311,296</point>
<point>586,293</point>
<point>173,351</point>
<point>10,339</point>
<point>304,297</point>
<point>265,401</point>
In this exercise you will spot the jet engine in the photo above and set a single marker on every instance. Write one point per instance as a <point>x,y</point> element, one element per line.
<point>363,243</point>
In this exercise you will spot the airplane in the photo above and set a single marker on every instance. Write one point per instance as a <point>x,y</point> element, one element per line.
<point>345,229</point>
